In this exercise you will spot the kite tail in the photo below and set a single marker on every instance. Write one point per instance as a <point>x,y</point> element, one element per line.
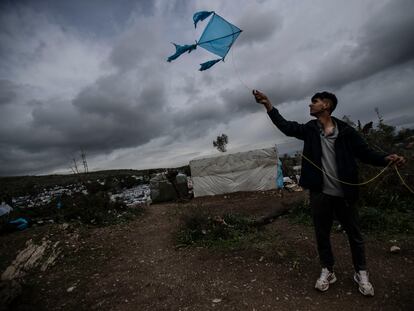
<point>200,16</point>
<point>209,64</point>
<point>181,49</point>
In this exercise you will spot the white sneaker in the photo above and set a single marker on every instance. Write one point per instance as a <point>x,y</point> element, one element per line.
<point>364,286</point>
<point>325,279</point>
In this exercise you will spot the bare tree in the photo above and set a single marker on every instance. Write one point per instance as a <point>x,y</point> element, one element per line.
<point>74,167</point>
<point>221,142</point>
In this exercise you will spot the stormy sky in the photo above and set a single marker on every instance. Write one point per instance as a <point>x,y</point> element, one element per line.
<point>93,75</point>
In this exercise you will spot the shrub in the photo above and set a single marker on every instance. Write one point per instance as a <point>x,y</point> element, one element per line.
<point>200,228</point>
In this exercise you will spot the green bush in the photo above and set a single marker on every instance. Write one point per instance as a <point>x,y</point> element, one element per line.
<point>200,228</point>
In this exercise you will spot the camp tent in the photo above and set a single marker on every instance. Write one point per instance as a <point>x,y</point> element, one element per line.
<point>243,171</point>
<point>164,189</point>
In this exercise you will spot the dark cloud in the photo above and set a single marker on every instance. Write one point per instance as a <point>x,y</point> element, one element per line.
<point>238,102</point>
<point>20,162</point>
<point>73,76</point>
<point>258,26</point>
<point>99,17</point>
<point>7,92</point>
<point>384,42</point>
<point>102,118</point>
<point>106,116</point>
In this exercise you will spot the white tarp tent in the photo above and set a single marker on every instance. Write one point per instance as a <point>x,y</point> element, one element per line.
<point>243,171</point>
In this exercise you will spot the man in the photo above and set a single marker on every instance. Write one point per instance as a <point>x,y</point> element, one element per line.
<point>331,145</point>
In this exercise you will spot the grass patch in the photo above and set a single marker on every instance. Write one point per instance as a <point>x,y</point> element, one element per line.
<point>301,213</point>
<point>384,219</point>
<point>231,231</point>
<point>388,221</point>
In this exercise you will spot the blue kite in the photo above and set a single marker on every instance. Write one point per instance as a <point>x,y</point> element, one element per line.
<point>218,37</point>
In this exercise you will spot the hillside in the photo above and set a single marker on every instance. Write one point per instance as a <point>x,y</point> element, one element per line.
<point>139,265</point>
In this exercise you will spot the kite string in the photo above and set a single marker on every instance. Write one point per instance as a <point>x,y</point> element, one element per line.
<point>403,181</point>
<point>344,182</point>
<point>237,72</point>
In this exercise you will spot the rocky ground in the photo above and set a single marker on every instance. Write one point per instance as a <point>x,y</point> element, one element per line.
<point>138,266</point>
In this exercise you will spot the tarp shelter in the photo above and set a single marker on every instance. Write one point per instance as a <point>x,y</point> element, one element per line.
<point>252,170</point>
<point>161,189</point>
<point>5,209</point>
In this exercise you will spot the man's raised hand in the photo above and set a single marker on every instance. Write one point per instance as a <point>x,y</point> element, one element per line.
<point>262,99</point>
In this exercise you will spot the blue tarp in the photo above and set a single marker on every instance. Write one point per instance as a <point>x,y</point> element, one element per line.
<point>279,177</point>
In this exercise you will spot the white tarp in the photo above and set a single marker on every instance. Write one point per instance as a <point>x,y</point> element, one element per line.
<point>5,209</point>
<point>244,171</point>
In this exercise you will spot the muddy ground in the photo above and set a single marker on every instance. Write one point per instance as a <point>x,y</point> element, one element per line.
<point>138,266</point>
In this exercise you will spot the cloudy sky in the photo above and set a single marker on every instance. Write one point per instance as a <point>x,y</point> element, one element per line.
<point>93,75</point>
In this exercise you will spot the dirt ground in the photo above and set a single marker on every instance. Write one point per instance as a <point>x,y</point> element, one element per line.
<point>138,266</point>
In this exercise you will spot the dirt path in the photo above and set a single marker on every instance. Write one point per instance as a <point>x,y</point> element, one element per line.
<point>136,266</point>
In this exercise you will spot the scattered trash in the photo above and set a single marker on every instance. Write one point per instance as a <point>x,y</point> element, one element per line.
<point>5,209</point>
<point>293,187</point>
<point>216,300</point>
<point>133,196</point>
<point>14,225</point>
<point>45,197</point>
<point>70,289</point>
<point>395,249</point>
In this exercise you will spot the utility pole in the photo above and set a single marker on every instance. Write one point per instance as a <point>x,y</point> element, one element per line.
<point>85,163</point>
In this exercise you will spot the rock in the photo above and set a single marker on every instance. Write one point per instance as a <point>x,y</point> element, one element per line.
<point>70,289</point>
<point>395,249</point>
<point>50,261</point>
<point>33,256</point>
<point>281,253</point>
<point>25,260</point>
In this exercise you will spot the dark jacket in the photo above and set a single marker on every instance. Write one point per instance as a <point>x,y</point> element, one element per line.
<point>348,146</point>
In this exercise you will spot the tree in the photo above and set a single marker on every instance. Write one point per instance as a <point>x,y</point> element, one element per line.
<point>221,142</point>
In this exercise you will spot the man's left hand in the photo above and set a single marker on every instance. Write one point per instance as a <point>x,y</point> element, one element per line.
<point>395,159</point>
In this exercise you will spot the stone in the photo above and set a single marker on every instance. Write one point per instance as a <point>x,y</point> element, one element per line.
<point>395,249</point>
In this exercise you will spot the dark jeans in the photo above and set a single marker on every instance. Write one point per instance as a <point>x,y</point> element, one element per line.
<point>324,208</point>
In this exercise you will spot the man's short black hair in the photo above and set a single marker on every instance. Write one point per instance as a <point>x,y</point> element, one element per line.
<point>326,95</point>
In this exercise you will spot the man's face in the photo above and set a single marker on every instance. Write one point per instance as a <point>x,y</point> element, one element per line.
<point>318,106</point>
